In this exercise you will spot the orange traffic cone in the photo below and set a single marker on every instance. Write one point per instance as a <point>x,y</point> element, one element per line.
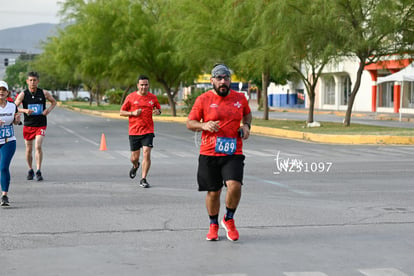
<point>103,142</point>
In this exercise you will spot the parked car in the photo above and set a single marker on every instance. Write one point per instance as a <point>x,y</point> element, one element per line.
<point>63,95</point>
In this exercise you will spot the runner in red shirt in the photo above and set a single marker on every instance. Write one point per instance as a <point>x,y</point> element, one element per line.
<point>218,114</point>
<point>139,106</point>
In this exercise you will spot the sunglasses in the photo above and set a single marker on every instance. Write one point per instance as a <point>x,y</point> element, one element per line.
<point>219,78</point>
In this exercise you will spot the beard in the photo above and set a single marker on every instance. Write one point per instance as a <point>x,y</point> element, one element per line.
<point>222,90</point>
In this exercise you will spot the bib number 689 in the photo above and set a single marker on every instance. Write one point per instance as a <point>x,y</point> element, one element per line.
<point>226,145</point>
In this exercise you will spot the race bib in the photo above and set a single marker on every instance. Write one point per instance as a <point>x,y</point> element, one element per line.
<point>226,145</point>
<point>6,131</point>
<point>37,108</point>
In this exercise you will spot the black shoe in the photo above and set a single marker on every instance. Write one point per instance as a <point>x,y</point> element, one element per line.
<point>133,171</point>
<point>143,183</point>
<point>30,174</point>
<point>39,176</point>
<point>4,201</point>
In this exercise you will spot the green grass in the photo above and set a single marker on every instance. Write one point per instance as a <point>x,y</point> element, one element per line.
<point>295,125</point>
<point>86,105</point>
<point>111,107</point>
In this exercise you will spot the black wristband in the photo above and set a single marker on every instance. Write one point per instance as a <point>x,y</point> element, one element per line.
<point>247,125</point>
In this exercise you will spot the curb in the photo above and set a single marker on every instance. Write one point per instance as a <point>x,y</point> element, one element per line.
<point>282,133</point>
<point>335,139</point>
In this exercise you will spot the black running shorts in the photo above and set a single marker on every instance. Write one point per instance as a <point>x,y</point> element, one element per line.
<point>138,141</point>
<point>214,171</point>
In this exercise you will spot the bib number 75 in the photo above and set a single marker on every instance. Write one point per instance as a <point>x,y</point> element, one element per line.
<point>6,132</point>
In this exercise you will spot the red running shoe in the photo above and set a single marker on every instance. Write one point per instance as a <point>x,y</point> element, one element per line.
<point>232,233</point>
<point>212,234</point>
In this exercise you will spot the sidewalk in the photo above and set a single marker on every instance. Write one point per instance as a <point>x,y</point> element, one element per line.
<point>370,115</point>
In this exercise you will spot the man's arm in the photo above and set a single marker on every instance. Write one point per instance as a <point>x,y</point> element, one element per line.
<point>194,125</point>
<point>125,107</point>
<point>157,108</point>
<point>156,111</point>
<point>130,113</point>
<point>52,101</point>
<point>18,101</point>
<point>247,121</point>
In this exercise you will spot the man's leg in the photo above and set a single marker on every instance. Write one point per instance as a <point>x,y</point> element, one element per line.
<point>39,151</point>
<point>146,162</point>
<point>39,156</point>
<point>213,202</point>
<point>135,163</point>
<point>29,158</point>
<point>135,158</point>
<point>213,209</point>
<point>233,196</point>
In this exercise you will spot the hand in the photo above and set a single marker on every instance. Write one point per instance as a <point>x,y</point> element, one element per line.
<point>17,117</point>
<point>212,126</point>
<point>246,131</point>
<point>29,111</point>
<point>136,112</point>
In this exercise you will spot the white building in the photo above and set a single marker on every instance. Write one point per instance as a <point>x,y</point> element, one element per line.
<point>336,83</point>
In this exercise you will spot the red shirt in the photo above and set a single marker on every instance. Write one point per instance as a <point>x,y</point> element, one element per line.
<point>229,110</point>
<point>143,123</point>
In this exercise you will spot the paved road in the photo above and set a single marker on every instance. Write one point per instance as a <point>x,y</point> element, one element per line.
<point>307,209</point>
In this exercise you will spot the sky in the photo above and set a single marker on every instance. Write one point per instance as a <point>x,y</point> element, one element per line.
<point>17,13</point>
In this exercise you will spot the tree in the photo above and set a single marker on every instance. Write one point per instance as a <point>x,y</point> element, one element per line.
<point>258,33</point>
<point>81,52</point>
<point>111,42</point>
<point>304,40</point>
<point>16,74</point>
<point>147,47</point>
<point>374,29</point>
<point>55,72</point>
<point>232,36</point>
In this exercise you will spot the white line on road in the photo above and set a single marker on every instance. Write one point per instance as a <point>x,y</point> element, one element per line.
<point>80,136</point>
<point>382,272</point>
<point>305,274</point>
<point>231,274</point>
<point>256,153</point>
<point>124,153</point>
<point>280,185</point>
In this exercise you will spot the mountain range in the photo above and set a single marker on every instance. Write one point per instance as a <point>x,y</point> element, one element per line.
<point>27,38</point>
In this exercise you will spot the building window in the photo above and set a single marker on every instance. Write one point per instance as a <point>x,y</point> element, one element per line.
<point>410,94</point>
<point>345,88</point>
<point>301,96</point>
<point>329,90</point>
<point>386,95</point>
